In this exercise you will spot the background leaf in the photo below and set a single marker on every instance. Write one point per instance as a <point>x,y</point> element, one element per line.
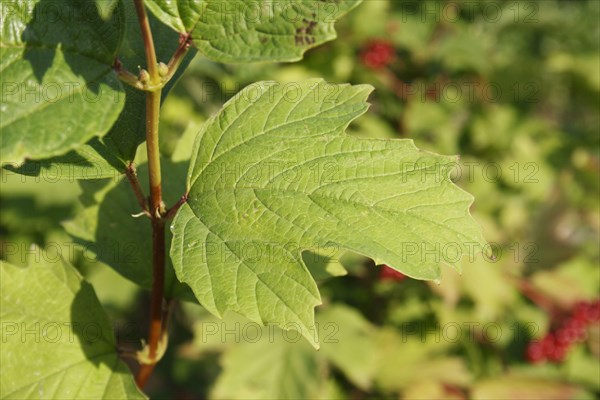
<point>57,341</point>
<point>350,344</point>
<point>54,69</point>
<point>295,370</point>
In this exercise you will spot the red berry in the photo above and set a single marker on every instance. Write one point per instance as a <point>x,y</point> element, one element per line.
<point>587,311</point>
<point>577,326</point>
<point>535,353</point>
<point>566,336</point>
<point>555,345</point>
<point>390,274</point>
<point>377,54</point>
<point>580,311</point>
<point>594,312</point>
<point>548,343</point>
<point>559,353</point>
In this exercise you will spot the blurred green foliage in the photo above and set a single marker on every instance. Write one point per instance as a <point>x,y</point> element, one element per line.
<point>514,88</point>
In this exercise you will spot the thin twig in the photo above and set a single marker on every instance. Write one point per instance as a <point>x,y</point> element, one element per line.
<point>127,353</point>
<point>185,41</point>
<point>170,214</point>
<point>125,76</point>
<point>536,296</point>
<point>131,174</point>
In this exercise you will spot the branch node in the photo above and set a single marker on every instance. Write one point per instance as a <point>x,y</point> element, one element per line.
<point>171,212</point>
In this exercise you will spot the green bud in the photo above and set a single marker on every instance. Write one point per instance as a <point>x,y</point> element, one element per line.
<point>144,76</point>
<point>163,70</point>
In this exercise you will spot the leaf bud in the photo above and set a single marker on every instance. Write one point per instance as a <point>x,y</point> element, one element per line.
<point>144,76</point>
<point>163,70</point>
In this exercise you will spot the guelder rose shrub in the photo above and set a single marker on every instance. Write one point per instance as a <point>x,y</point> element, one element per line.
<point>239,219</point>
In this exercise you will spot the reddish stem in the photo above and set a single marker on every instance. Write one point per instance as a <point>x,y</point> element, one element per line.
<point>131,174</point>
<point>173,210</point>
<point>156,203</point>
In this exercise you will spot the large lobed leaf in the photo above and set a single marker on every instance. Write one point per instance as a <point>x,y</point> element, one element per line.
<point>236,31</point>
<point>58,87</point>
<point>57,342</point>
<point>273,174</point>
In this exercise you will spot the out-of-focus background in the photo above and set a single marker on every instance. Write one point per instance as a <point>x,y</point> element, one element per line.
<point>511,86</point>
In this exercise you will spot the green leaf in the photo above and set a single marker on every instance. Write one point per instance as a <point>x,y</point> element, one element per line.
<point>109,156</point>
<point>349,343</point>
<point>57,341</point>
<point>58,87</point>
<point>242,31</point>
<point>94,160</point>
<point>106,7</point>
<point>295,370</point>
<point>274,173</point>
<point>324,263</point>
<point>426,355</point>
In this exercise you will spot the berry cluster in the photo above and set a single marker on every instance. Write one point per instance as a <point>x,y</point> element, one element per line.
<point>389,274</point>
<point>573,329</point>
<point>377,54</point>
